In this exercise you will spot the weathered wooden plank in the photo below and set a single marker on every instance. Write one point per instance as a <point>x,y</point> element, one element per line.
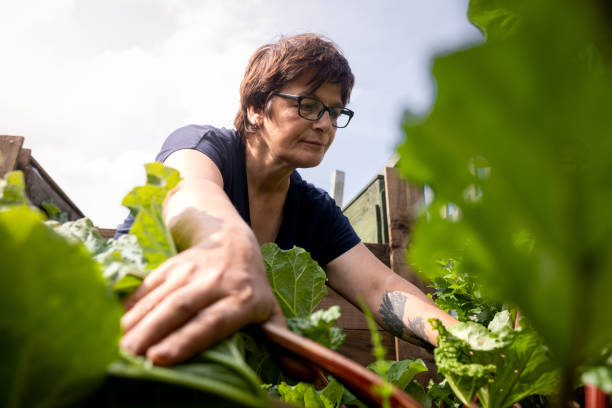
<point>402,202</point>
<point>40,186</point>
<point>10,146</point>
<point>367,212</point>
<point>358,346</point>
<point>107,233</point>
<point>381,251</point>
<point>352,317</point>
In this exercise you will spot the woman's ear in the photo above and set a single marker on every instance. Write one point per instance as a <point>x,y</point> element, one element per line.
<point>255,117</point>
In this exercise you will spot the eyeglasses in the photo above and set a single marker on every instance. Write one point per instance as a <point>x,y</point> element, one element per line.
<point>312,109</point>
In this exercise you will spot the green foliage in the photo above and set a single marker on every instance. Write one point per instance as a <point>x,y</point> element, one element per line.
<point>59,325</point>
<point>53,212</point>
<point>398,373</point>
<point>83,231</point>
<point>145,203</point>
<point>70,304</point>
<point>298,282</point>
<point>121,260</point>
<point>519,141</point>
<point>67,329</point>
<point>459,292</point>
<point>221,371</point>
<point>498,364</point>
<point>379,352</point>
<point>401,374</point>
<point>307,396</point>
<point>12,189</point>
<point>318,327</point>
<point>123,263</point>
<point>441,393</point>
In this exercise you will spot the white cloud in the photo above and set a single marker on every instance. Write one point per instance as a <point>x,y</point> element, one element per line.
<point>96,86</point>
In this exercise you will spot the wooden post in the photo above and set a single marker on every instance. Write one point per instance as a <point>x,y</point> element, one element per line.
<point>10,147</point>
<point>403,200</point>
<point>337,187</point>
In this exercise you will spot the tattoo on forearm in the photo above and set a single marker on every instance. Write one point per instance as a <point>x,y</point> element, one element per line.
<point>392,312</point>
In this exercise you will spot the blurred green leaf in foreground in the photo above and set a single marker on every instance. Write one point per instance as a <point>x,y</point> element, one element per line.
<point>519,141</point>
<point>59,323</point>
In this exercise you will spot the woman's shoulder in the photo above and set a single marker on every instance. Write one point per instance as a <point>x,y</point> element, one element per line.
<point>204,138</point>
<point>199,131</point>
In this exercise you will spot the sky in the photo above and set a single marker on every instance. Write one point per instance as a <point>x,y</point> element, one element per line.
<point>95,86</point>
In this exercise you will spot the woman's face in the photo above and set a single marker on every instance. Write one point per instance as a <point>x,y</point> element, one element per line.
<point>289,140</point>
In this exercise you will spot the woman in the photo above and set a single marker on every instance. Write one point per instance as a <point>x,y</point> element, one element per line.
<point>240,190</point>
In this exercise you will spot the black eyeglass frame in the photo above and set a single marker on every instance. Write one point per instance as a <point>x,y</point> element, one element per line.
<point>299,99</point>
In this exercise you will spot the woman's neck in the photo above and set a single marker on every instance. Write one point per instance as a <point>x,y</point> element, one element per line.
<point>264,174</point>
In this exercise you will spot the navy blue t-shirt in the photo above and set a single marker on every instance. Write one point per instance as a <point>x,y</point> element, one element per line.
<point>311,218</point>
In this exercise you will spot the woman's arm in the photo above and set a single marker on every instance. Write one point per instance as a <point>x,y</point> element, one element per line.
<point>213,287</point>
<point>397,305</point>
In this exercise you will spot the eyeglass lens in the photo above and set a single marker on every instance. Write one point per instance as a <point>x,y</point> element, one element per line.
<point>313,109</point>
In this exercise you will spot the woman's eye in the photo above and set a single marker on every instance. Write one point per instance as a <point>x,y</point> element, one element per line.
<point>309,106</point>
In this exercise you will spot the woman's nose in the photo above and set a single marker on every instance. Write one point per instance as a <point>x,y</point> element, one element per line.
<point>324,122</point>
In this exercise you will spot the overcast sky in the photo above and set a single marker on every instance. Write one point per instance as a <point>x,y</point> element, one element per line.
<point>95,86</point>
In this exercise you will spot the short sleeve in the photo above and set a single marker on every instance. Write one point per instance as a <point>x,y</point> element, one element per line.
<point>214,143</point>
<point>224,147</point>
<point>342,234</point>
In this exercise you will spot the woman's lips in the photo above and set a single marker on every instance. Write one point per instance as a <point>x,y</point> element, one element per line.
<point>313,142</point>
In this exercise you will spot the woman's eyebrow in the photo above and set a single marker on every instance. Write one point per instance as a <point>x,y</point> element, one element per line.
<point>336,104</point>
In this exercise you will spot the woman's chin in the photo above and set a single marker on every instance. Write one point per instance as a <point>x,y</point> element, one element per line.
<point>308,162</point>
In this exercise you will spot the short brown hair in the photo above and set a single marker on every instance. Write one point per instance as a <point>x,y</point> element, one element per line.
<point>274,65</point>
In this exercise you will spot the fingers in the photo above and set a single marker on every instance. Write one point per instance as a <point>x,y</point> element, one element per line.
<point>155,278</point>
<point>165,310</point>
<point>208,327</point>
<point>155,292</point>
<point>277,316</point>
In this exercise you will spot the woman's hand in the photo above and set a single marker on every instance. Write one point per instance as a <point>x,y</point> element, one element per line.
<point>199,297</point>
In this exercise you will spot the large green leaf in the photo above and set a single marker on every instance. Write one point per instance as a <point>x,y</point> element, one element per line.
<point>121,260</point>
<point>296,279</point>
<point>123,263</point>
<point>220,370</point>
<point>145,203</point>
<point>499,364</point>
<point>399,373</point>
<point>59,324</point>
<point>519,141</point>
<point>82,230</point>
<point>318,327</point>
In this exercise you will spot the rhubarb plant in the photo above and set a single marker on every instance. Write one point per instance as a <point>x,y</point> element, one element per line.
<point>518,145</point>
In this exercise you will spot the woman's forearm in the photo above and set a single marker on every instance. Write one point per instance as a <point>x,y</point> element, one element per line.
<point>405,311</point>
